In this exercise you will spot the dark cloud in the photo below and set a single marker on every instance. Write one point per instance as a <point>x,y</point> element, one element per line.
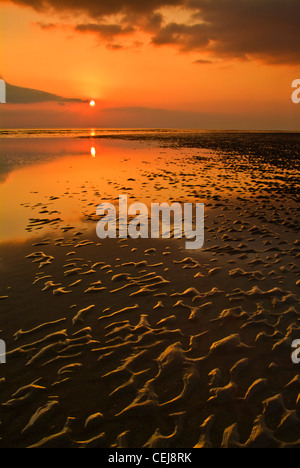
<point>114,46</point>
<point>202,62</point>
<point>19,95</point>
<point>106,31</point>
<point>43,25</point>
<point>186,37</point>
<point>99,8</point>
<point>263,29</point>
<point>267,29</point>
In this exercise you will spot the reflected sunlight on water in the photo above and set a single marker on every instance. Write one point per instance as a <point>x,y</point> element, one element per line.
<point>63,178</point>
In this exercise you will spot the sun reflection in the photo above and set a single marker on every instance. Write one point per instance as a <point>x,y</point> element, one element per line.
<point>92,103</point>
<point>93,152</point>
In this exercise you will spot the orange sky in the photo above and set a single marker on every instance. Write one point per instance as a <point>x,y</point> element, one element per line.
<point>141,78</point>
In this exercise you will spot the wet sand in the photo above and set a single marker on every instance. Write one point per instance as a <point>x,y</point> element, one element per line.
<point>142,343</point>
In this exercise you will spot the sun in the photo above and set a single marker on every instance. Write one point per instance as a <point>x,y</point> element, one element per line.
<point>92,103</point>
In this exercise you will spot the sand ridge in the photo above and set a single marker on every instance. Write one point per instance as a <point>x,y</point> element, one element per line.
<point>140,343</point>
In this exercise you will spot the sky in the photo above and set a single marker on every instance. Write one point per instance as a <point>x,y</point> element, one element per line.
<point>209,64</point>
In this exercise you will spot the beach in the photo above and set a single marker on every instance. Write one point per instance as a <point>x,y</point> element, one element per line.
<point>142,343</point>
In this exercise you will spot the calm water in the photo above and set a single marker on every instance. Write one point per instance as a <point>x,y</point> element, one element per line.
<point>66,173</point>
<point>49,174</point>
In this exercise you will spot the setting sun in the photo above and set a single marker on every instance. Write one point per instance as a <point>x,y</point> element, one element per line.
<point>92,103</point>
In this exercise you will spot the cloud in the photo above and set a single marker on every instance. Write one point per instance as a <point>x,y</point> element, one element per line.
<point>99,9</point>
<point>20,95</point>
<point>106,31</point>
<point>43,25</point>
<point>186,37</point>
<point>202,62</point>
<point>264,29</point>
<point>267,30</point>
